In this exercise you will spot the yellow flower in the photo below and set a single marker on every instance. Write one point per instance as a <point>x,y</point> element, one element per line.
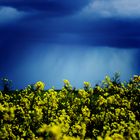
<point>86,111</point>
<point>136,78</point>
<point>55,131</point>
<point>43,129</point>
<point>39,85</point>
<point>87,84</point>
<point>99,138</point>
<point>117,137</point>
<point>70,138</point>
<point>108,138</point>
<point>66,82</point>
<point>110,99</point>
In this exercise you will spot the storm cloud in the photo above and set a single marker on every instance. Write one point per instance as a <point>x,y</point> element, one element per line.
<point>113,8</point>
<point>50,7</point>
<point>52,40</point>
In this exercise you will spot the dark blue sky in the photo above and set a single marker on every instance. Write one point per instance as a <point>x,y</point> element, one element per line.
<point>81,40</point>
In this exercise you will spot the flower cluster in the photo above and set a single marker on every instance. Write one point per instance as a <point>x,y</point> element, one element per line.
<point>39,85</point>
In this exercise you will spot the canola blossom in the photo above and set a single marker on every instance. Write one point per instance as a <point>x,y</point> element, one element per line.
<point>110,111</point>
<point>39,85</point>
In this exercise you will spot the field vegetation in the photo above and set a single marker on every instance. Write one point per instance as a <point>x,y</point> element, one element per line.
<point>108,111</point>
